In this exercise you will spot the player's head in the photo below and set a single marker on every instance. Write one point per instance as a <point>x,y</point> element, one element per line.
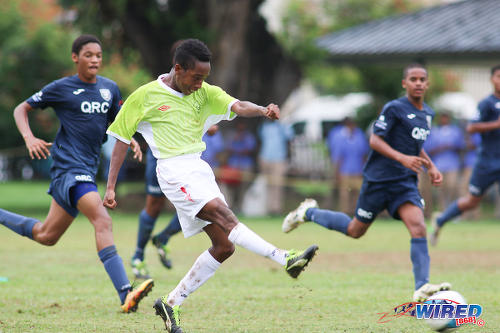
<point>86,53</point>
<point>495,78</point>
<point>415,81</point>
<point>192,65</point>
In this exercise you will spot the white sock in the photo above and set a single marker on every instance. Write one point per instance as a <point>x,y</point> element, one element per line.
<point>203,269</point>
<point>246,238</point>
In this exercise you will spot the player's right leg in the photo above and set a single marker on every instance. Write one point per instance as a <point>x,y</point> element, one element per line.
<point>167,307</point>
<point>46,233</point>
<point>308,211</point>
<point>90,204</point>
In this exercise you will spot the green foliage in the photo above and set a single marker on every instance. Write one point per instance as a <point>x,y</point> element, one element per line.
<point>28,61</point>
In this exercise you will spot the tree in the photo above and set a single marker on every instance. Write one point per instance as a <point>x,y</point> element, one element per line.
<point>247,62</point>
<point>28,60</point>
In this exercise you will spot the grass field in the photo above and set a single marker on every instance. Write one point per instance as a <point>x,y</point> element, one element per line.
<point>65,288</point>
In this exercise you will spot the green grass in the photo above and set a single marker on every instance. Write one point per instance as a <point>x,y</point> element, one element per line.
<point>65,288</point>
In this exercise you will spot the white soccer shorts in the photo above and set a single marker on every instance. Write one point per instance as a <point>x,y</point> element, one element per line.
<point>189,183</point>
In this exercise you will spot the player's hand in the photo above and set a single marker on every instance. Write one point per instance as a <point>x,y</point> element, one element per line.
<point>38,148</point>
<point>136,149</point>
<point>272,111</point>
<point>109,199</point>
<point>435,176</point>
<point>415,163</point>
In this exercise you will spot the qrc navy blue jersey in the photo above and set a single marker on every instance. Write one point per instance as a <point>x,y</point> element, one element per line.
<point>84,111</point>
<point>405,128</point>
<point>489,110</point>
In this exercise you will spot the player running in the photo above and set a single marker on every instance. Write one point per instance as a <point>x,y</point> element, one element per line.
<point>172,113</point>
<point>486,171</point>
<point>390,178</point>
<point>85,104</point>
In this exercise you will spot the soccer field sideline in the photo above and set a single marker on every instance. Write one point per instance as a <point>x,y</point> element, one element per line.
<point>64,288</point>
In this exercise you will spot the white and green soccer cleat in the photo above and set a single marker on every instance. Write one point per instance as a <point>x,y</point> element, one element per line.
<point>162,250</point>
<point>296,262</point>
<point>298,215</point>
<point>139,269</point>
<point>429,289</point>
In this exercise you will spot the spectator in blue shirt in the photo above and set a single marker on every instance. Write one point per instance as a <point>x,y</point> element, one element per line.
<point>240,165</point>
<point>348,151</point>
<point>274,138</point>
<point>215,146</point>
<point>445,143</point>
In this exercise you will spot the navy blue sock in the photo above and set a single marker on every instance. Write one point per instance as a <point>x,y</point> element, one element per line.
<point>329,219</point>
<point>146,226</point>
<point>449,213</point>
<point>420,259</point>
<point>172,228</point>
<point>20,224</point>
<point>114,267</point>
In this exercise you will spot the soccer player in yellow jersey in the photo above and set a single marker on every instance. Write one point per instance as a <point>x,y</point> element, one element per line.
<point>172,114</point>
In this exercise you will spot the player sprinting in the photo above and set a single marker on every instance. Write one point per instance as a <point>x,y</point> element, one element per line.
<point>486,171</point>
<point>390,178</point>
<point>85,104</point>
<point>155,201</point>
<point>172,113</point>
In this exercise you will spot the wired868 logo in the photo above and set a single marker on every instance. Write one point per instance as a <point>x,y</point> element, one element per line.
<point>445,313</point>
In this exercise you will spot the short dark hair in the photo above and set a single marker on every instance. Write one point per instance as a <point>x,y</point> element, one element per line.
<point>411,66</point>
<point>80,41</point>
<point>494,69</point>
<point>190,51</point>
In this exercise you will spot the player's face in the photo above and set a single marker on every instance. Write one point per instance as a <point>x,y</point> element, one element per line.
<point>495,80</point>
<point>416,83</point>
<point>190,80</point>
<point>88,61</point>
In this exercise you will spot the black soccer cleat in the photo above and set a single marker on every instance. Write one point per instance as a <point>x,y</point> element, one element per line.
<point>297,261</point>
<point>170,315</point>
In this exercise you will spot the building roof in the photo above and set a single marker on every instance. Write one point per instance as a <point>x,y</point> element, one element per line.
<point>464,30</point>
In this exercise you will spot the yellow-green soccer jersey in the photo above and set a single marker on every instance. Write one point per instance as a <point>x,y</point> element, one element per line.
<point>171,123</point>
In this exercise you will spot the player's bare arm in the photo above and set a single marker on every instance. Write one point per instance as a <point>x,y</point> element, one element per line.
<point>484,126</point>
<point>37,148</point>
<point>249,109</point>
<point>414,163</point>
<point>117,158</point>
<point>434,174</point>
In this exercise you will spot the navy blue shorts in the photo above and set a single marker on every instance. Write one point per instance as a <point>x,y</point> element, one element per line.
<point>61,190</point>
<point>152,186</point>
<point>375,197</point>
<point>483,176</point>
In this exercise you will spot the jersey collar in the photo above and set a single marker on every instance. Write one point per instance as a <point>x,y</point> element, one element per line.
<point>172,91</point>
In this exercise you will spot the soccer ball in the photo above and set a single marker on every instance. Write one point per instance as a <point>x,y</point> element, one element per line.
<point>443,297</point>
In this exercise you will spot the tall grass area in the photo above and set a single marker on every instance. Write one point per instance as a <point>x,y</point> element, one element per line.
<point>349,284</point>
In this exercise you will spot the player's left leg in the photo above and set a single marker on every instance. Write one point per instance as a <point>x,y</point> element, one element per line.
<point>161,239</point>
<point>90,204</point>
<point>413,218</point>
<point>239,234</point>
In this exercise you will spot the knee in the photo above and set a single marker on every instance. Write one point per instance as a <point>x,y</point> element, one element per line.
<point>103,224</point>
<point>418,230</point>
<point>224,251</point>
<point>355,233</point>
<point>47,239</point>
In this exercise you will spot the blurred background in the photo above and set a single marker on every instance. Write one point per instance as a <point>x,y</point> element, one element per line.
<point>330,64</point>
